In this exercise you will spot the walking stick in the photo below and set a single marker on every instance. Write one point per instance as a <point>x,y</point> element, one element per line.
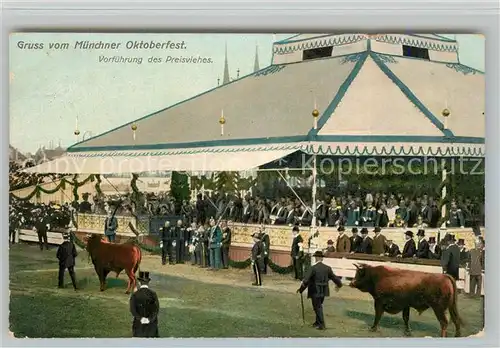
<point>302,304</point>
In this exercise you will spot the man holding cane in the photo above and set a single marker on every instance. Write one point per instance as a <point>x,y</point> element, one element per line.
<point>316,282</point>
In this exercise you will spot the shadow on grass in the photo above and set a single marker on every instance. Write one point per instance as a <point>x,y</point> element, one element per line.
<point>389,321</point>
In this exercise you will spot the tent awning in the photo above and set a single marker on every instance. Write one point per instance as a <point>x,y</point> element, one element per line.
<point>226,159</point>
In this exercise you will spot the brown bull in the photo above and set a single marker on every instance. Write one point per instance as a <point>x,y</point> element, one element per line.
<point>108,257</point>
<point>397,290</point>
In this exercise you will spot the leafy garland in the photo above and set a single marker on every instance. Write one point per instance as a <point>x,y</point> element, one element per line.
<point>38,190</point>
<point>234,264</point>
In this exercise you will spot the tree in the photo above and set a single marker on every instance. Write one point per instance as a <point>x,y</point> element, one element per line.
<point>226,181</point>
<point>179,187</point>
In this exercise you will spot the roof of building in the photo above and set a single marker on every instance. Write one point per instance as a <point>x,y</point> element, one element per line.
<point>367,92</point>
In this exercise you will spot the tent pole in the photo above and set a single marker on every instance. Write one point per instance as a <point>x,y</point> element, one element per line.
<point>443,192</point>
<point>314,187</point>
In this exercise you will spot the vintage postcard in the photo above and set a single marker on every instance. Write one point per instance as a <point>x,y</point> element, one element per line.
<point>246,185</point>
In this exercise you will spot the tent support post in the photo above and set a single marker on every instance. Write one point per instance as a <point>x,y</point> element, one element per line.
<point>313,196</point>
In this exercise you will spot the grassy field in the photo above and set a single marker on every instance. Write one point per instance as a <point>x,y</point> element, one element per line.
<point>194,302</point>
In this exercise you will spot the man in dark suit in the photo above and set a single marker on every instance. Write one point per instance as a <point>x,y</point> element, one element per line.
<point>296,253</point>
<point>144,306</point>
<point>409,249</point>
<point>450,258</point>
<point>42,226</point>
<point>266,243</point>
<point>225,244</point>
<point>434,249</point>
<point>355,240</point>
<point>257,259</point>
<point>464,253</point>
<point>316,282</point>
<point>392,249</point>
<point>422,246</point>
<point>166,244</point>
<point>366,245</point>
<point>66,254</point>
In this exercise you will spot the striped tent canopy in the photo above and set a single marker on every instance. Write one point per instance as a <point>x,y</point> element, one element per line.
<point>377,95</point>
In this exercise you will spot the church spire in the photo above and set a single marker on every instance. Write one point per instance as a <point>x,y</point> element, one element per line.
<point>225,78</point>
<point>256,63</point>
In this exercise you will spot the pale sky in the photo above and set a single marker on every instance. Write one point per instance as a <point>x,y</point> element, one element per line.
<point>50,88</point>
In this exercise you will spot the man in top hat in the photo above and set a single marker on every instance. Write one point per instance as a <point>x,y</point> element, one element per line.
<point>343,241</point>
<point>366,246</point>
<point>257,259</point>
<point>355,240</point>
<point>379,242</point>
<point>450,257</point>
<point>42,226</point>
<point>297,253</point>
<point>422,245</point>
<point>226,244</point>
<point>316,282</point>
<point>392,249</point>
<point>409,249</point>
<point>464,254</point>
<point>266,243</point>
<point>434,249</point>
<point>144,306</point>
<point>66,254</point>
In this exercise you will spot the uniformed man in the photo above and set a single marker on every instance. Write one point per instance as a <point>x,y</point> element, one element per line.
<point>257,258</point>
<point>144,306</point>
<point>422,245</point>
<point>266,242</point>
<point>226,244</point>
<point>316,282</point>
<point>66,254</point>
<point>450,257</point>
<point>178,238</point>
<point>296,253</point>
<point>188,237</point>
<point>343,242</point>
<point>166,244</point>
<point>215,245</point>
<point>409,248</point>
<point>110,226</point>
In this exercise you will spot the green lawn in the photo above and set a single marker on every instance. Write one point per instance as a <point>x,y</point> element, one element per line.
<point>194,302</point>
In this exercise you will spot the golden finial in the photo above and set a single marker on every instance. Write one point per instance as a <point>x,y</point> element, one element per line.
<point>134,127</point>
<point>315,113</point>
<point>222,122</point>
<point>445,112</point>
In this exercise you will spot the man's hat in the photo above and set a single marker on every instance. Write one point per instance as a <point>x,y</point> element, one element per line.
<point>318,253</point>
<point>143,276</point>
<point>409,234</point>
<point>364,230</point>
<point>330,242</point>
<point>421,232</point>
<point>377,229</point>
<point>295,228</point>
<point>341,228</point>
<point>354,230</point>
<point>432,239</point>
<point>461,242</point>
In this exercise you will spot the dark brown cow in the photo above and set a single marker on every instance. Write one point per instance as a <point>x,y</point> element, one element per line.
<point>108,257</point>
<point>396,290</point>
